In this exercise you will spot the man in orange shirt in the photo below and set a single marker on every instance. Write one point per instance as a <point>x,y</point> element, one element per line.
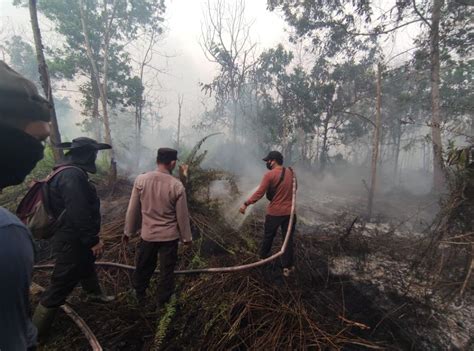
<point>277,184</point>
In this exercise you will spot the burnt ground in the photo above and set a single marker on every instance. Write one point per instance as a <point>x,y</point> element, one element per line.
<point>356,286</point>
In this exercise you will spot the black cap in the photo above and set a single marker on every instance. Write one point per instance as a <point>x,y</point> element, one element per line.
<point>83,142</point>
<point>19,97</point>
<point>166,155</point>
<point>274,155</point>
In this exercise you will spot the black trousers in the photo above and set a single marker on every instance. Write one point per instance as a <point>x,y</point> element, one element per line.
<point>74,265</point>
<point>148,252</point>
<point>272,223</point>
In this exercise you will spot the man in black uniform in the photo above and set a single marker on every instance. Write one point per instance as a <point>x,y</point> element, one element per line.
<point>76,243</point>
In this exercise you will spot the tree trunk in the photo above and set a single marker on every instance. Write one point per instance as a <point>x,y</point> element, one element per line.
<point>234,123</point>
<point>438,165</point>
<point>95,109</point>
<point>102,89</point>
<point>138,120</point>
<point>108,132</point>
<point>180,105</point>
<point>375,150</point>
<point>323,157</point>
<point>45,80</point>
<point>396,158</point>
<point>471,136</point>
<point>316,155</point>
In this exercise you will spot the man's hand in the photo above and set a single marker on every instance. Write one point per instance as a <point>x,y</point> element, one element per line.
<point>243,208</point>
<point>98,249</point>
<point>125,239</point>
<point>184,172</point>
<point>184,247</point>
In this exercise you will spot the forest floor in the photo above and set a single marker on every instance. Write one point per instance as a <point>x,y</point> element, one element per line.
<point>355,287</point>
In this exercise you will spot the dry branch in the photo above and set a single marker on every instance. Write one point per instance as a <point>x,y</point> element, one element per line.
<point>91,338</point>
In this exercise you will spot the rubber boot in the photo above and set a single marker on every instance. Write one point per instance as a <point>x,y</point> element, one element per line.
<point>43,318</point>
<point>93,291</point>
<point>100,298</point>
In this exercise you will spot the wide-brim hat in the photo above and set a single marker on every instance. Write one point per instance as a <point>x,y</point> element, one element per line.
<point>83,142</point>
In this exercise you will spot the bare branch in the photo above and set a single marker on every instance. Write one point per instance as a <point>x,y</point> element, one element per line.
<point>420,15</point>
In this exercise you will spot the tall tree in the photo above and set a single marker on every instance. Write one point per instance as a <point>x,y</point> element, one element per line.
<point>97,33</point>
<point>349,27</point>
<point>101,84</point>
<point>22,57</point>
<point>226,41</point>
<point>45,81</point>
<point>438,163</point>
<point>180,106</point>
<point>376,142</point>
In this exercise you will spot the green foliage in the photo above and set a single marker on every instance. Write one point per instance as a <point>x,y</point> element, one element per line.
<point>103,164</point>
<point>459,158</point>
<point>330,24</point>
<point>125,20</point>
<point>199,180</point>
<point>22,58</point>
<point>164,323</point>
<point>197,260</point>
<point>346,38</point>
<point>195,160</point>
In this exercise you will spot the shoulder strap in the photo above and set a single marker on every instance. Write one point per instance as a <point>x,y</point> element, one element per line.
<point>282,176</point>
<point>59,170</point>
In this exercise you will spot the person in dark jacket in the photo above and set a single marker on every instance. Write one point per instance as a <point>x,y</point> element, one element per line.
<point>24,124</point>
<point>76,242</point>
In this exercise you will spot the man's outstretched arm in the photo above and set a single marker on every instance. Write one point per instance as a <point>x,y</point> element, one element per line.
<point>258,194</point>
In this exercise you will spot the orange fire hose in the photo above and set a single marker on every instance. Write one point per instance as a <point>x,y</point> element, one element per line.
<point>217,269</point>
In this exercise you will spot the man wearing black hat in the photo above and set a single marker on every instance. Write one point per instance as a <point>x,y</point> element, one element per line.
<point>76,243</point>
<point>24,124</point>
<point>158,206</point>
<point>277,184</point>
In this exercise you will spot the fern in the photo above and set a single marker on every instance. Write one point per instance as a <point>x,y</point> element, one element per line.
<point>164,323</point>
<point>191,157</point>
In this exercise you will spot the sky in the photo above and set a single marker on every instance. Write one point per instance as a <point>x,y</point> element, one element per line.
<point>179,54</point>
<point>188,65</point>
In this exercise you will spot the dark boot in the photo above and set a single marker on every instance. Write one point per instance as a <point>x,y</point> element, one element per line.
<point>100,298</point>
<point>93,291</point>
<point>43,318</point>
